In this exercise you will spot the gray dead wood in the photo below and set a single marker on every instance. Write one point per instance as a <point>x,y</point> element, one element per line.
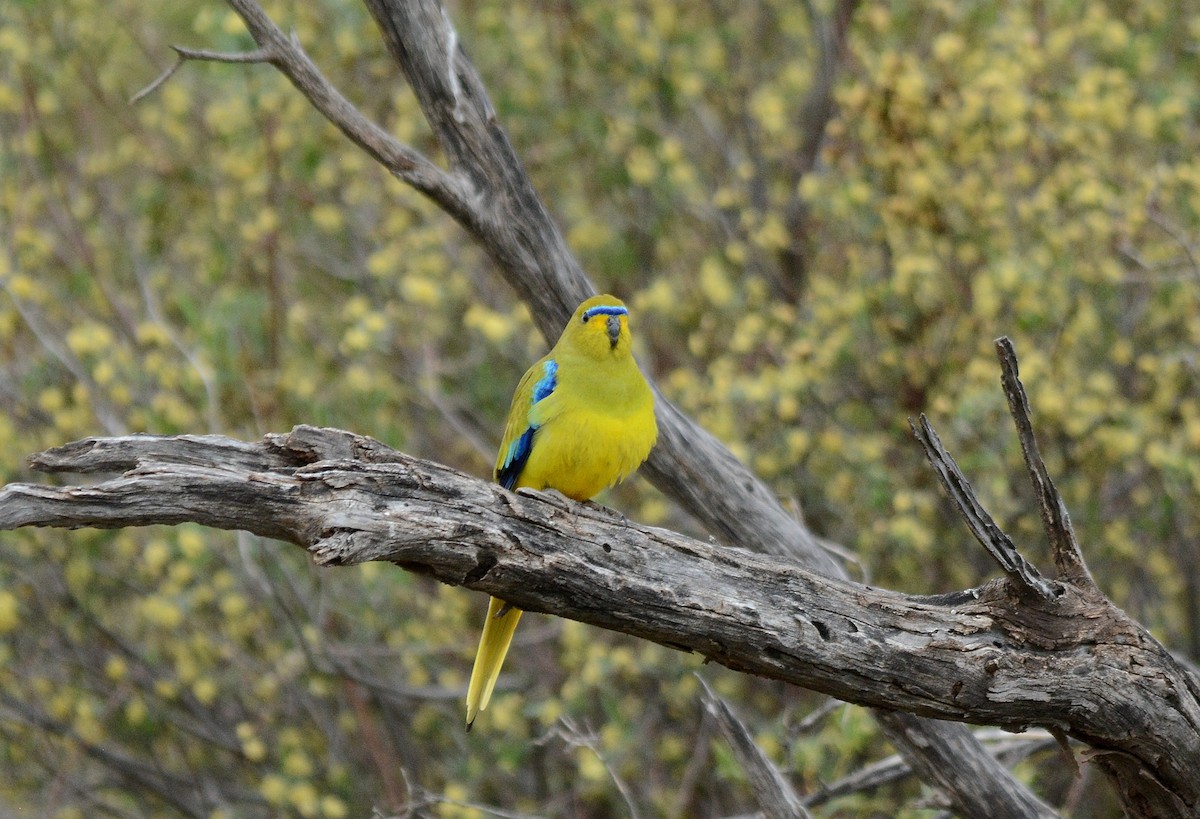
<point>999,545</point>
<point>487,191</point>
<point>1010,747</point>
<point>991,655</point>
<point>1068,556</point>
<point>775,795</point>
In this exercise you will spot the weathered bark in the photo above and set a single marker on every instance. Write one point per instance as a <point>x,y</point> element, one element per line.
<point>487,191</point>
<point>1072,662</point>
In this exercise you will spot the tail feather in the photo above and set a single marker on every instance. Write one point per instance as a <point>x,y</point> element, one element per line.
<point>493,646</point>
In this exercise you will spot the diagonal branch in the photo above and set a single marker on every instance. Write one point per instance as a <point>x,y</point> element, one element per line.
<point>817,109</point>
<point>998,544</point>
<point>896,767</point>
<point>448,190</point>
<point>1063,544</point>
<point>774,793</point>
<point>507,217</point>
<point>512,225</point>
<point>941,764</point>
<point>259,55</point>
<point>501,210</point>
<point>813,116</point>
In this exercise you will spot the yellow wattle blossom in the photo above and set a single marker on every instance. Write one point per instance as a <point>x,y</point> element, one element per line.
<point>10,612</point>
<point>213,258</point>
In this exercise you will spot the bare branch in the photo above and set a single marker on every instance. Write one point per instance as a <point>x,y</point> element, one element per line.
<point>688,463</point>
<point>158,82</point>
<point>697,767</point>
<point>774,793</point>
<point>184,795</point>
<point>505,215</point>
<point>982,526</point>
<point>448,191</point>
<point>818,108</point>
<point>259,55</point>
<point>812,120</point>
<point>1177,233</point>
<point>500,208</point>
<point>571,734</point>
<point>951,763</point>
<point>812,720</point>
<point>503,212</point>
<point>52,342</point>
<point>896,767</point>
<point>1064,546</point>
<point>1077,664</point>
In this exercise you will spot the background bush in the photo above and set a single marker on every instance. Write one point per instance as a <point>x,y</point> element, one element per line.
<point>217,258</point>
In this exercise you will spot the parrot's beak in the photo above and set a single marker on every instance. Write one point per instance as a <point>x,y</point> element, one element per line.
<point>614,330</point>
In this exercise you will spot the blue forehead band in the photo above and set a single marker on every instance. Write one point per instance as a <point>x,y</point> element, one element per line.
<point>603,310</point>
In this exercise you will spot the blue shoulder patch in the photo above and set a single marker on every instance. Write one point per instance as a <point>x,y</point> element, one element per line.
<point>547,382</point>
<point>603,310</point>
<point>518,450</point>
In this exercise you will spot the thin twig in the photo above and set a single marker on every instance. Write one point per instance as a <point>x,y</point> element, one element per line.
<point>775,795</point>
<point>158,82</point>
<point>1175,232</point>
<point>575,738</point>
<point>203,372</point>
<point>998,544</point>
<point>698,765</point>
<point>895,768</point>
<point>449,191</point>
<point>258,55</point>
<point>813,719</point>
<point>402,160</point>
<point>51,340</point>
<point>1068,557</point>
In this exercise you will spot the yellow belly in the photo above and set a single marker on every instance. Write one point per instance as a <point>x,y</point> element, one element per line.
<point>581,453</point>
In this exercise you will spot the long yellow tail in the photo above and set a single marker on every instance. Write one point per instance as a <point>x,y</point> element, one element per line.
<point>493,646</point>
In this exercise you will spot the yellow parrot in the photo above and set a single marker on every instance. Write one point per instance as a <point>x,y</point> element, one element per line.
<point>582,419</point>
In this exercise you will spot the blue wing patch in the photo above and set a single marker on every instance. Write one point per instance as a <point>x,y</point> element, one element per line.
<point>518,450</point>
<point>514,462</point>
<point>547,382</point>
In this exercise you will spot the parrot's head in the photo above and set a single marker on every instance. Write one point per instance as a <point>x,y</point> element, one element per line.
<point>600,327</point>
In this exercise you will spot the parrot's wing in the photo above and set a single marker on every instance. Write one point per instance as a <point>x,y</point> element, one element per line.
<point>538,382</point>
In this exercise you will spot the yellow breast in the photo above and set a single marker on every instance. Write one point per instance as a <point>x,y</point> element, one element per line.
<point>582,450</point>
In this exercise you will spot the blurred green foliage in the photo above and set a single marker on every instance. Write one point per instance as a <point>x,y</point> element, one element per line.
<point>217,258</point>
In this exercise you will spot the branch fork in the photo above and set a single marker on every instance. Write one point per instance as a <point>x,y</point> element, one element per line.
<point>1068,556</point>
<point>488,192</point>
<point>1051,656</point>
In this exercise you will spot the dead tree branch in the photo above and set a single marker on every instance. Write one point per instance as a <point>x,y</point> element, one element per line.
<point>994,655</point>
<point>1002,744</point>
<point>775,795</point>
<point>508,219</point>
<point>488,192</point>
<point>998,544</point>
<point>1068,557</point>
